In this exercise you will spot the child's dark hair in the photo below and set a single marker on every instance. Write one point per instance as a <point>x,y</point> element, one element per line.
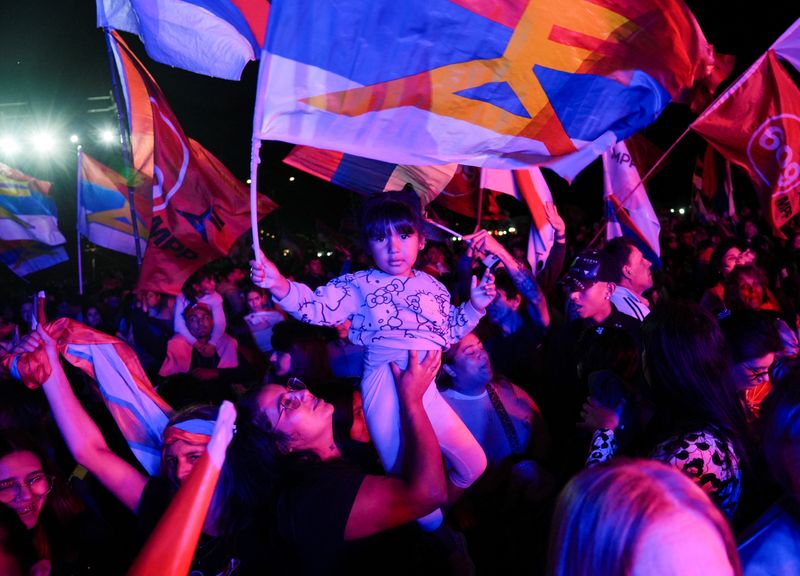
<point>385,211</point>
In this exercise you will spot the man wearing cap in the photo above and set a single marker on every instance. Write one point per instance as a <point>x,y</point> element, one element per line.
<point>203,360</point>
<point>630,271</point>
<point>588,286</point>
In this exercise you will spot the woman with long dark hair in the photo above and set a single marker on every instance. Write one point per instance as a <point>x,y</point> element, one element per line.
<point>698,422</point>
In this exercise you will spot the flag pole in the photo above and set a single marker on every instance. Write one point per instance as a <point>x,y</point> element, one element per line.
<point>78,224</point>
<point>255,152</point>
<point>125,142</point>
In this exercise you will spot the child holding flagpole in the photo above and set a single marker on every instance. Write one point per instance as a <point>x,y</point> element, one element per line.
<point>394,308</point>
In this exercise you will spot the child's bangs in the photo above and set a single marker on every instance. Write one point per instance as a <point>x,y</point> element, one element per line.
<point>381,222</point>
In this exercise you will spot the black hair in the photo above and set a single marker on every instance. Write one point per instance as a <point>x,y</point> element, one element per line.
<point>717,256</point>
<point>616,254</point>
<point>385,211</point>
<point>751,334</point>
<point>15,540</point>
<point>688,369</point>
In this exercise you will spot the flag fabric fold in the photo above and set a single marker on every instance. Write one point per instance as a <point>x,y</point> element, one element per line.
<point>530,187</point>
<point>25,257</point>
<point>26,211</point>
<point>104,213</point>
<point>366,176</point>
<point>199,208</point>
<point>140,413</point>
<point>755,124</point>
<point>212,37</point>
<point>521,83</point>
<point>630,213</point>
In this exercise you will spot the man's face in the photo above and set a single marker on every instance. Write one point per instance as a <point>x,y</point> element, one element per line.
<point>500,308</point>
<point>199,323</point>
<point>592,302</point>
<point>638,271</point>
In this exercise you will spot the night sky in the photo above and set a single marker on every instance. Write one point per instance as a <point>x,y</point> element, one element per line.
<point>53,58</point>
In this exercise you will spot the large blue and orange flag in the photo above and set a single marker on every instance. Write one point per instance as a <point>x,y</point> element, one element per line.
<point>499,84</point>
<point>199,209</point>
<point>104,212</point>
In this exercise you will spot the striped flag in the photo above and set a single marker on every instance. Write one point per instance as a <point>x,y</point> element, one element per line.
<point>629,210</point>
<point>366,176</point>
<point>500,84</point>
<point>212,37</point>
<point>138,410</point>
<point>104,213</point>
<point>26,210</point>
<point>25,257</point>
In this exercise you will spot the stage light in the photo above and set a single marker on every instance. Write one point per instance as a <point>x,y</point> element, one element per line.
<point>43,142</point>
<point>8,146</point>
<point>672,210</point>
<point>681,211</point>
<point>74,139</point>
<point>107,136</point>
<point>291,178</point>
<point>512,230</point>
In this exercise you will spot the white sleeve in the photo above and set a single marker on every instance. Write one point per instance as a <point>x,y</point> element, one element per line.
<point>179,323</point>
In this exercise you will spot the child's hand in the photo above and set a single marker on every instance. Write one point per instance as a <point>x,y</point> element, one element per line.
<point>265,274</point>
<point>482,293</point>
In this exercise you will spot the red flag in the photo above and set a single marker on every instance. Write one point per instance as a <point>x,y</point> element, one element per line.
<point>756,125</point>
<point>199,208</point>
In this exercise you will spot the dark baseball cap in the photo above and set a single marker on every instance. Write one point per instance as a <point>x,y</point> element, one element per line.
<point>588,268</point>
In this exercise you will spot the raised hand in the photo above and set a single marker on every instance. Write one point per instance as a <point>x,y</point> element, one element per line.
<point>482,293</point>
<point>555,219</point>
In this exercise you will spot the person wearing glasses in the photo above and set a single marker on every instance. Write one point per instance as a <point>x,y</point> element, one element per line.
<point>44,504</point>
<point>326,510</point>
<point>754,342</point>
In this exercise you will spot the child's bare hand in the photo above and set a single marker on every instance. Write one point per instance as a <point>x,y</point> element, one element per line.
<point>482,293</point>
<point>265,274</point>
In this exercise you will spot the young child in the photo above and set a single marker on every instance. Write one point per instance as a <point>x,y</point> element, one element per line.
<point>200,288</point>
<point>393,308</point>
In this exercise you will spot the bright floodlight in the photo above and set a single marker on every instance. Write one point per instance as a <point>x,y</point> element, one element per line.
<point>74,139</point>
<point>107,136</point>
<point>8,146</point>
<point>681,211</point>
<point>43,142</point>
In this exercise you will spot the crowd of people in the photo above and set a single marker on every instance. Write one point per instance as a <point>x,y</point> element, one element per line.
<point>436,407</point>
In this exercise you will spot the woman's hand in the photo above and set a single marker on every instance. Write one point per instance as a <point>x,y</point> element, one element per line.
<point>482,293</point>
<point>265,274</point>
<point>412,382</point>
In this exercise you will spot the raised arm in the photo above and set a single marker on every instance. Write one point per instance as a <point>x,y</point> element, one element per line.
<point>523,278</point>
<point>384,502</point>
<point>83,437</point>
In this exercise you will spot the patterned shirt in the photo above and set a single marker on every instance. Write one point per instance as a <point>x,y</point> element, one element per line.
<point>700,454</point>
<point>411,313</point>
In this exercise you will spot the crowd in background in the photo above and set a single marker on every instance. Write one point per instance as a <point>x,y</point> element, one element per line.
<point>636,416</point>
